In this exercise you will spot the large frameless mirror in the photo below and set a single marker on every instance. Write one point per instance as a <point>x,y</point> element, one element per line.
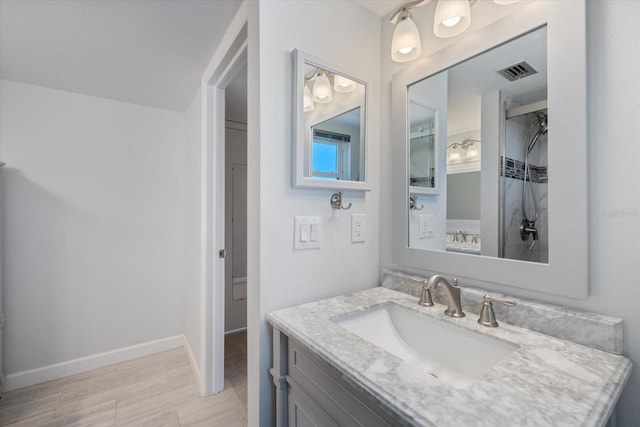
<point>492,200</point>
<point>329,126</point>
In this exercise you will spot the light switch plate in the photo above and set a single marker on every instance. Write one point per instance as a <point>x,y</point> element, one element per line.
<point>358,228</point>
<point>426,226</point>
<point>306,232</point>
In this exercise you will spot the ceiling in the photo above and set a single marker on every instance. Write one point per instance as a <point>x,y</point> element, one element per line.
<point>145,52</point>
<point>382,7</point>
<point>469,80</point>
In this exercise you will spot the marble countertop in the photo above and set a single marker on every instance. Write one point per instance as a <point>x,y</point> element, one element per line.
<point>546,381</point>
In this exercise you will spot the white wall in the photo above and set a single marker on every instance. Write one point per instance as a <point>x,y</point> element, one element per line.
<point>614,211</point>
<point>279,276</point>
<point>192,285</point>
<point>93,224</point>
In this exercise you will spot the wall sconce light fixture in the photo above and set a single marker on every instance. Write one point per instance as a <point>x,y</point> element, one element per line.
<point>452,17</point>
<point>405,45</point>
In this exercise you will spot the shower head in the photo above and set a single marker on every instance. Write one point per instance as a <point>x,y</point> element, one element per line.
<point>543,127</point>
<point>542,121</point>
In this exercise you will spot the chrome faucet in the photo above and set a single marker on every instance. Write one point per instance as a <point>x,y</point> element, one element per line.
<point>454,308</point>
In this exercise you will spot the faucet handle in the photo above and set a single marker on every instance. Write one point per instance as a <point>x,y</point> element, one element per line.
<point>487,315</point>
<point>425,296</point>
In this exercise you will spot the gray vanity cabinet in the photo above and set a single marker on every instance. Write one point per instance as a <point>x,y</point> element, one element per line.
<point>311,392</point>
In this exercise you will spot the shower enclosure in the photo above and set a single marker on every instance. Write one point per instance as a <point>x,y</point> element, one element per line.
<point>524,187</point>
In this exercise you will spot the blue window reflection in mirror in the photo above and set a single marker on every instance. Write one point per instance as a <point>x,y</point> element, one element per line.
<point>335,150</point>
<point>330,158</point>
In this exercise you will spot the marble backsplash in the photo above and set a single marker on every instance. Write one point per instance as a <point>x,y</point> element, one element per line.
<point>589,329</point>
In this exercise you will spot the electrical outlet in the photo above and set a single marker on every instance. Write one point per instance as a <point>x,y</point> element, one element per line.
<point>357,228</point>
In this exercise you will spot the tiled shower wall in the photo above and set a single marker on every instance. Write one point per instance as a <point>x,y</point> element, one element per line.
<point>513,175</point>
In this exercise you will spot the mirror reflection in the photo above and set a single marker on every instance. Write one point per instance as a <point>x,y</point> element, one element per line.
<point>334,125</point>
<point>421,146</point>
<point>493,198</point>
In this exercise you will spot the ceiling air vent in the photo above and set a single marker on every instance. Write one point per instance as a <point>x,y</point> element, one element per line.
<point>518,71</point>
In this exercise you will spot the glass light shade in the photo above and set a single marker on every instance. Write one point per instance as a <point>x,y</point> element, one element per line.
<point>505,1</point>
<point>452,17</point>
<point>454,154</point>
<point>308,100</point>
<point>472,152</point>
<point>322,92</point>
<point>343,84</point>
<point>405,45</point>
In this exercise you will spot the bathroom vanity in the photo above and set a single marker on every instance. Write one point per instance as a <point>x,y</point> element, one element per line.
<point>338,362</point>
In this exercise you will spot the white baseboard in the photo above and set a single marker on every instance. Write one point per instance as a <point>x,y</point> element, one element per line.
<point>76,366</point>
<point>194,364</point>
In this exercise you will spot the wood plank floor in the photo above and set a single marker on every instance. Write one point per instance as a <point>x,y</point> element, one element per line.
<point>157,390</point>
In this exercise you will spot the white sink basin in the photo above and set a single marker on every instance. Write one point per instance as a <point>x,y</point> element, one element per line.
<point>450,353</point>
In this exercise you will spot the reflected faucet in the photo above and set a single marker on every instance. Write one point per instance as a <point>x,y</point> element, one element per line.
<point>464,236</point>
<point>454,308</point>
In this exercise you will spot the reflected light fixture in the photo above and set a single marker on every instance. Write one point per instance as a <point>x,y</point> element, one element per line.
<point>472,152</point>
<point>452,17</point>
<point>322,92</point>
<point>308,99</point>
<point>468,149</point>
<point>342,84</point>
<point>502,2</point>
<point>454,154</point>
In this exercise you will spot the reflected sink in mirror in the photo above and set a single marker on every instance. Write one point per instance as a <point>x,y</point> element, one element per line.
<point>450,353</point>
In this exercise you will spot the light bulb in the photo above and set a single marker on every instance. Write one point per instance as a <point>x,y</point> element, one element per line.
<point>450,22</point>
<point>452,17</point>
<point>405,45</point>
<point>322,92</point>
<point>501,2</point>
<point>308,100</point>
<point>343,84</point>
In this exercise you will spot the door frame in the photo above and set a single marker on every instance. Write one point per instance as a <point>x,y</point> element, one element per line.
<point>229,58</point>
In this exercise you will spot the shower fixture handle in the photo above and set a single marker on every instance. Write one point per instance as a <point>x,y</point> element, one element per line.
<point>528,227</point>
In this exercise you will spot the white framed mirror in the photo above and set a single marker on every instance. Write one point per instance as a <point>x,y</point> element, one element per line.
<point>330,126</point>
<point>473,226</point>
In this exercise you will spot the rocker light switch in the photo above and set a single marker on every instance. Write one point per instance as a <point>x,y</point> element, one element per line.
<point>304,232</point>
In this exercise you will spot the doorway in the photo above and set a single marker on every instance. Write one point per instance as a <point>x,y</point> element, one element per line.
<point>226,65</point>
<point>235,286</point>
